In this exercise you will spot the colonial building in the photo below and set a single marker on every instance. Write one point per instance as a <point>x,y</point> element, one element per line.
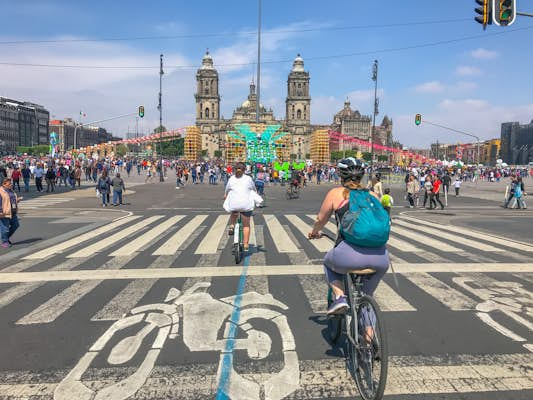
<point>517,143</point>
<point>85,135</point>
<point>297,120</point>
<point>22,124</point>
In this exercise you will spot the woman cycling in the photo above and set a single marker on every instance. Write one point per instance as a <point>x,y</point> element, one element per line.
<point>345,257</point>
<point>239,198</point>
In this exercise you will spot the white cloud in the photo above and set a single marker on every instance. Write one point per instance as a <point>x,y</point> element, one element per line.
<point>484,54</point>
<point>475,116</point>
<point>430,87</point>
<point>466,70</point>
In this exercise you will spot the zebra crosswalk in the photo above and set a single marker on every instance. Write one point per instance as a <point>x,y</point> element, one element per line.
<point>42,202</point>
<point>157,235</point>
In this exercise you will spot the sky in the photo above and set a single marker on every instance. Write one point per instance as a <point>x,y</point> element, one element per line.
<point>434,59</point>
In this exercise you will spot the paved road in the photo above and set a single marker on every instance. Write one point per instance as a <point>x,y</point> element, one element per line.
<point>62,296</point>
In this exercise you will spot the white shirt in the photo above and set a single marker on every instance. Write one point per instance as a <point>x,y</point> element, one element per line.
<point>239,193</point>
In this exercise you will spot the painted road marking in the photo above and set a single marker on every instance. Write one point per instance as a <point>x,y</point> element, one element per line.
<point>402,245</point>
<point>323,244</point>
<point>476,234</point>
<point>147,238</point>
<point>60,303</point>
<point>330,226</point>
<point>16,292</point>
<point>449,236</point>
<point>416,375</point>
<point>58,248</point>
<point>209,245</point>
<point>445,294</point>
<point>117,237</point>
<point>232,270</point>
<point>173,244</point>
<point>281,239</point>
<point>389,300</point>
<point>425,240</point>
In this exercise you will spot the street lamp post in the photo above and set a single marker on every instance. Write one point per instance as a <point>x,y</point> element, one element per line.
<point>160,108</point>
<point>257,106</point>
<point>375,79</point>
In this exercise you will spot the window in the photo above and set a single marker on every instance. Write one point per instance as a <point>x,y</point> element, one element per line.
<point>299,114</point>
<point>207,112</point>
<point>299,86</point>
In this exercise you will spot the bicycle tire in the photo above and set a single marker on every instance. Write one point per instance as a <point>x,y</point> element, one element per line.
<point>288,195</point>
<point>334,322</point>
<point>372,358</point>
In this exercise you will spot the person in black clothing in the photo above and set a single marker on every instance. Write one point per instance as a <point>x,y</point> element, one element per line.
<point>50,179</point>
<point>446,182</point>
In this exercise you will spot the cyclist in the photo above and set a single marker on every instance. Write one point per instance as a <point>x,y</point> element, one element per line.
<point>239,199</point>
<point>345,257</point>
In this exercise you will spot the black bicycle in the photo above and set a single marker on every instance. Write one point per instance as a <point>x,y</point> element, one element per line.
<point>365,335</point>
<point>292,192</point>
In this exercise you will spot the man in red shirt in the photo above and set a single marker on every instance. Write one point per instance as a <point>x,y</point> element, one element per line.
<point>435,194</point>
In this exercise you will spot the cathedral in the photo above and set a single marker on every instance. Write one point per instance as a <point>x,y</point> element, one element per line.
<point>297,121</point>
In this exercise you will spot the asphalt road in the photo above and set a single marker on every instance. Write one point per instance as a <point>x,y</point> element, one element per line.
<point>79,270</point>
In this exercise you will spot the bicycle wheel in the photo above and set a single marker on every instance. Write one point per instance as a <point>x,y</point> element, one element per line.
<point>288,194</point>
<point>334,321</point>
<point>372,352</point>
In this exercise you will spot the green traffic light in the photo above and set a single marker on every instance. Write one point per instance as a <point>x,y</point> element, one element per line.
<point>505,15</point>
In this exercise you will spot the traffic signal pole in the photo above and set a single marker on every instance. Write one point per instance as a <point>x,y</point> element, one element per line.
<point>457,131</point>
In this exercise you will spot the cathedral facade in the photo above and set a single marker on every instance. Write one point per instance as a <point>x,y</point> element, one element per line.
<point>297,121</point>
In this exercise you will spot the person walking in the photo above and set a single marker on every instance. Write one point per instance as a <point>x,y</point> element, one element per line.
<point>118,186</point>
<point>435,194</point>
<point>387,201</point>
<point>26,175</point>
<point>446,182</point>
<point>9,222</point>
<point>376,186</point>
<point>412,189</point>
<point>15,176</point>
<point>428,187</point>
<point>457,185</point>
<point>77,176</point>
<point>39,173</point>
<point>50,178</point>
<point>103,187</point>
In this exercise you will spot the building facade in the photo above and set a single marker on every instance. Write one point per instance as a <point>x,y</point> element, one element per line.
<point>22,124</point>
<point>517,143</point>
<point>85,135</point>
<point>297,119</point>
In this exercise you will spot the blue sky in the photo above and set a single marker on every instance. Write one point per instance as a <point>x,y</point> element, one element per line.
<point>471,85</point>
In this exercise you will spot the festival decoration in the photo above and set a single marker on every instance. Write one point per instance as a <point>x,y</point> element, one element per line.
<point>260,146</point>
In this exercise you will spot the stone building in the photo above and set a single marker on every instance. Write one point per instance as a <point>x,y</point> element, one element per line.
<point>517,143</point>
<point>297,119</point>
<point>22,124</point>
<point>85,135</point>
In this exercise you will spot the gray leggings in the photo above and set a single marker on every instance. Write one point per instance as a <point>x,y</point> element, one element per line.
<point>347,257</point>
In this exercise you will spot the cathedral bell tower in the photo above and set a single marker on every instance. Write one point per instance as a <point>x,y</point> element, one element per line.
<point>298,107</point>
<point>207,97</point>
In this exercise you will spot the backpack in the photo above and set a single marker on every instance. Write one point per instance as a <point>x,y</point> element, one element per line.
<point>518,190</point>
<point>102,184</point>
<point>365,223</point>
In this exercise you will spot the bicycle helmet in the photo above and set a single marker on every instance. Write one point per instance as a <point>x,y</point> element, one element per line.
<point>351,169</point>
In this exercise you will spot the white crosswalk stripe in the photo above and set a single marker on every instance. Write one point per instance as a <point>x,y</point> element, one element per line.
<point>100,245</point>
<point>282,241</point>
<point>43,202</point>
<point>209,245</point>
<point>323,244</point>
<point>147,238</point>
<point>173,244</point>
<point>425,240</point>
<point>449,236</point>
<point>80,239</point>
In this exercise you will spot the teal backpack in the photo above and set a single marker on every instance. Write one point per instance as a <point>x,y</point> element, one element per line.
<point>365,223</point>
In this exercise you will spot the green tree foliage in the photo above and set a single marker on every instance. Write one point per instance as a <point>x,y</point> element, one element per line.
<point>367,156</point>
<point>218,153</point>
<point>160,128</point>
<point>122,149</point>
<point>383,158</point>
<point>41,149</point>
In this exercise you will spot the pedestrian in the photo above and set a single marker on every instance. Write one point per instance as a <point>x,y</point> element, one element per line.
<point>103,187</point>
<point>77,176</point>
<point>428,187</point>
<point>39,173</point>
<point>435,194</point>
<point>387,201</point>
<point>457,185</point>
<point>26,175</point>
<point>446,182</point>
<point>9,222</point>
<point>412,189</point>
<point>376,186</point>
<point>15,176</point>
<point>50,178</point>
<point>118,186</point>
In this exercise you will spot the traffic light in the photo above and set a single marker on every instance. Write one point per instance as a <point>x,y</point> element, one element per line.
<point>504,12</point>
<point>485,12</point>
<point>418,119</point>
<point>141,111</point>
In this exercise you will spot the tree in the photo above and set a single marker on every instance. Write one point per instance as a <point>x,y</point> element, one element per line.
<point>121,150</point>
<point>160,128</point>
<point>336,155</point>
<point>218,153</point>
<point>170,151</point>
<point>367,156</point>
<point>383,158</point>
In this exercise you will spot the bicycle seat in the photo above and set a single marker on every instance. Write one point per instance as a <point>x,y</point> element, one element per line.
<point>365,271</point>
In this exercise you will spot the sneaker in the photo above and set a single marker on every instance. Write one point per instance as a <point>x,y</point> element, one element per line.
<point>177,187</point>
<point>231,230</point>
<point>5,245</point>
<point>339,306</point>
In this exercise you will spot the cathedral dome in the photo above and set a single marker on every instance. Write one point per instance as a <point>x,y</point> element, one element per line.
<point>298,64</point>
